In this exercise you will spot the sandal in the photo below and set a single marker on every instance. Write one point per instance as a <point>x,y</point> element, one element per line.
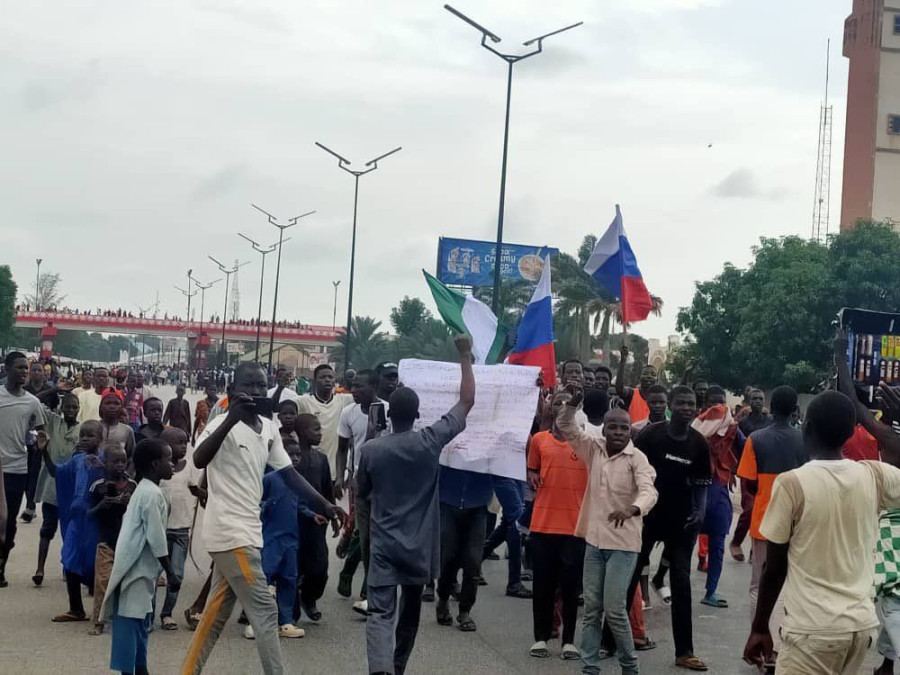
<point>737,553</point>
<point>644,645</point>
<point>466,623</point>
<point>192,619</point>
<point>96,630</point>
<point>714,601</point>
<point>691,662</point>
<point>67,617</point>
<point>168,623</point>
<point>444,618</point>
<point>539,650</point>
<point>665,593</point>
<point>570,653</point>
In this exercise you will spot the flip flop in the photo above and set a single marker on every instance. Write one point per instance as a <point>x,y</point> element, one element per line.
<point>691,663</point>
<point>192,619</point>
<point>644,646</point>
<point>466,625</point>
<point>570,653</point>
<point>665,593</point>
<point>714,601</point>
<point>168,623</point>
<point>444,618</point>
<point>539,650</point>
<point>68,617</point>
<point>737,553</point>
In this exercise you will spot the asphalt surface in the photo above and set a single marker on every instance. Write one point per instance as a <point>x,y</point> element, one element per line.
<point>30,643</point>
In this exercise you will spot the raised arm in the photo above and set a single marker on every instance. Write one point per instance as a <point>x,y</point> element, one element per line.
<point>467,382</point>
<point>581,443</point>
<point>621,389</point>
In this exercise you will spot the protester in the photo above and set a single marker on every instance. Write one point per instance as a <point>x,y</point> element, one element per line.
<point>388,376</point>
<point>134,402</point>
<point>181,515</point>
<point>657,404</point>
<point>202,410</point>
<point>62,433</point>
<point>79,532</point>
<point>235,449</point>
<point>20,412</point>
<point>178,412</point>
<point>559,478</point>
<point>287,418</point>
<point>681,457</point>
<point>618,494</point>
<point>635,400</point>
<point>821,524</point>
<point>398,477</point>
<point>48,395</point>
<point>282,390</point>
<point>108,499</point>
<point>89,400</point>
<point>140,553</point>
<point>327,406</point>
<point>153,413</point>
<point>312,561</point>
<point>114,431</point>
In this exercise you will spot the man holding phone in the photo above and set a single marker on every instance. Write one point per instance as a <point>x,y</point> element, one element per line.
<point>235,449</point>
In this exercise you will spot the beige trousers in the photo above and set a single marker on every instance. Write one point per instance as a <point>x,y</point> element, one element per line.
<point>842,654</point>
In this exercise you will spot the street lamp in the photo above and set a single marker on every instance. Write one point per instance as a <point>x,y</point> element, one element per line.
<point>187,326</point>
<point>262,274</point>
<point>334,316</point>
<point>510,59</point>
<point>37,286</point>
<point>227,272</point>
<point>202,288</point>
<point>345,165</point>
<point>281,228</point>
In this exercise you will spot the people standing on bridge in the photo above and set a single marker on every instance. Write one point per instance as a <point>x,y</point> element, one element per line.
<point>90,400</point>
<point>178,412</point>
<point>235,449</point>
<point>327,406</point>
<point>20,413</point>
<point>398,478</point>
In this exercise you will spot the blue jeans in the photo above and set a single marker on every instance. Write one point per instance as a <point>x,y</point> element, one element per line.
<point>889,638</point>
<point>716,525</point>
<point>606,578</point>
<point>510,493</point>
<point>178,549</point>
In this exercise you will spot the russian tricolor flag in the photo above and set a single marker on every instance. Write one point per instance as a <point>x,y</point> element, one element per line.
<point>534,340</point>
<point>613,265</point>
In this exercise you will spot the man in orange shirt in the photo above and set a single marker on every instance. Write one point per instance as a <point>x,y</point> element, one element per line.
<point>635,400</point>
<point>771,451</point>
<point>559,477</point>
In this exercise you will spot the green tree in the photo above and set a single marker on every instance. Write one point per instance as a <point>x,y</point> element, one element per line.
<point>49,293</point>
<point>409,315</point>
<point>369,346</point>
<point>432,340</point>
<point>8,290</point>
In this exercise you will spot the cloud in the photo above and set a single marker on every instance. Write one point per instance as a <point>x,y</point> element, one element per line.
<point>743,184</point>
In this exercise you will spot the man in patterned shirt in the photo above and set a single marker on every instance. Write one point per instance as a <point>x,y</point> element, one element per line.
<point>887,588</point>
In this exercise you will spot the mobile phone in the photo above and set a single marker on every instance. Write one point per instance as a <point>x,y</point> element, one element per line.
<point>380,418</point>
<point>264,406</point>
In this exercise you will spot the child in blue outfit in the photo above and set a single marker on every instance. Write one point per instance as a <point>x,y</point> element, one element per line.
<point>140,551</point>
<point>281,511</point>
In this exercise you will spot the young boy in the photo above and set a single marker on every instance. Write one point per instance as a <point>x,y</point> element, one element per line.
<point>140,551</point>
<point>287,417</point>
<point>79,533</point>
<point>181,514</point>
<point>153,412</point>
<point>281,541</point>
<point>178,412</point>
<point>62,432</point>
<point>111,402</point>
<point>313,555</point>
<point>108,499</point>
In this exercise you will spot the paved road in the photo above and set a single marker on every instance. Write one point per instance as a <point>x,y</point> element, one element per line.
<point>30,643</point>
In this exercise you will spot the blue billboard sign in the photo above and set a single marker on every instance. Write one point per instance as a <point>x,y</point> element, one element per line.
<point>467,262</point>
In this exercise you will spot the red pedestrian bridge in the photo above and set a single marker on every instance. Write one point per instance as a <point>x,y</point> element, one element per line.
<point>303,334</point>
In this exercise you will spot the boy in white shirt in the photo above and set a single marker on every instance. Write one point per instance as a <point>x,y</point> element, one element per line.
<point>181,514</point>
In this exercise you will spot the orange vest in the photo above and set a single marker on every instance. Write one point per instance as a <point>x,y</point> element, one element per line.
<point>638,409</point>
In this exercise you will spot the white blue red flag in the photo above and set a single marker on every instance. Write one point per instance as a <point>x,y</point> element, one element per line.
<point>613,265</point>
<point>534,340</point>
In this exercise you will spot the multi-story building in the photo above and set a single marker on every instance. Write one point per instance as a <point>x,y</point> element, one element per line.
<point>872,142</point>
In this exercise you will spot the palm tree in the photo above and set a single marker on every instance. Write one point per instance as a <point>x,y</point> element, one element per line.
<point>368,345</point>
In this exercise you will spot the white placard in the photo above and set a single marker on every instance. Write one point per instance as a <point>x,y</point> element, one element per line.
<point>497,429</point>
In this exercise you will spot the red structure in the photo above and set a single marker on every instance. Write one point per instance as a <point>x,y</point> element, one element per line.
<point>48,332</point>
<point>50,322</point>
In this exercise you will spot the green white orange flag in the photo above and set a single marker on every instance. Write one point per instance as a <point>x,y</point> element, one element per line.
<point>466,314</point>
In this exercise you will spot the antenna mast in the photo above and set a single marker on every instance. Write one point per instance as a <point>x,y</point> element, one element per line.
<point>821,206</point>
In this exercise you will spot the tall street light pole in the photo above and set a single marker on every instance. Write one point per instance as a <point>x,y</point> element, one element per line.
<point>281,228</point>
<point>37,286</point>
<point>262,276</point>
<point>202,288</point>
<point>227,272</point>
<point>334,316</point>
<point>345,165</point>
<point>187,335</point>
<point>511,59</point>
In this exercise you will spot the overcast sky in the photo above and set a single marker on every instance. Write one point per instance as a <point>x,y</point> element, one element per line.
<point>136,134</point>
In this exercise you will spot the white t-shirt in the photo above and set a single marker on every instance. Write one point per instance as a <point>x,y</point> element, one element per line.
<point>329,415</point>
<point>828,512</point>
<point>181,501</point>
<point>18,415</point>
<point>234,479</point>
<point>90,405</point>
<point>354,425</point>
<point>287,394</point>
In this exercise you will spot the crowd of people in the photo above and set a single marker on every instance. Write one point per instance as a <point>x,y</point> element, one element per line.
<point>611,471</point>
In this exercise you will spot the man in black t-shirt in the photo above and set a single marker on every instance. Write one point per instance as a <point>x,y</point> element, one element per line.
<point>680,455</point>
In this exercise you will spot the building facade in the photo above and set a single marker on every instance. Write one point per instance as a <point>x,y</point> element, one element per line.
<point>871,184</point>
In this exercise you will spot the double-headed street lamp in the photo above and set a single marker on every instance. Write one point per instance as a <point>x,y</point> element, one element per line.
<point>202,288</point>
<point>281,228</point>
<point>511,59</point>
<point>37,286</point>
<point>187,322</point>
<point>262,276</point>
<point>345,165</point>
<point>227,272</point>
